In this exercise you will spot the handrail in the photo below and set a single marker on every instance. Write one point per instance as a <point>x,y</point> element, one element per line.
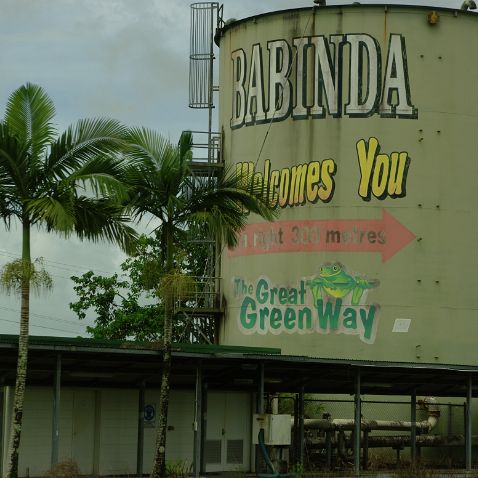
<point>205,294</point>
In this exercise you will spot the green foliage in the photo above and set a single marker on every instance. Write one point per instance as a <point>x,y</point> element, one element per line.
<point>14,273</point>
<point>122,306</point>
<point>67,184</point>
<point>43,176</point>
<point>130,306</point>
<point>164,187</point>
<point>312,407</point>
<point>178,469</point>
<point>297,470</point>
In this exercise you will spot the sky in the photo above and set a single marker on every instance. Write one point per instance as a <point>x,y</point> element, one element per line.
<point>126,59</point>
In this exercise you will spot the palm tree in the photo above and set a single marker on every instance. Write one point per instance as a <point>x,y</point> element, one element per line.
<point>164,188</point>
<point>65,184</point>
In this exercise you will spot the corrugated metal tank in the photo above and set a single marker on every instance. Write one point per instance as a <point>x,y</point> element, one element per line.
<point>360,122</point>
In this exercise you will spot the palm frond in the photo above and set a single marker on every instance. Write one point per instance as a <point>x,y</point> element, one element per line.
<point>147,146</point>
<point>103,175</point>
<point>7,209</point>
<point>14,162</point>
<point>57,213</point>
<point>88,139</point>
<point>165,187</point>
<point>222,205</point>
<point>104,220</point>
<point>158,171</point>
<point>29,113</point>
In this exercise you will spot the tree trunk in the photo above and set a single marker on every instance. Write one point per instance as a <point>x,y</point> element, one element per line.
<point>16,429</point>
<point>159,467</point>
<point>159,464</point>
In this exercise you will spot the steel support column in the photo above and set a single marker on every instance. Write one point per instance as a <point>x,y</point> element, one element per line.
<point>198,422</point>
<point>202,462</point>
<point>357,427</point>
<point>468,430</point>
<point>140,445</point>
<point>260,408</point>
<point>296,429</point>
<point>55,429</point>
<point>301,425</point>
<point>413,430</point>
<point>260,390</point>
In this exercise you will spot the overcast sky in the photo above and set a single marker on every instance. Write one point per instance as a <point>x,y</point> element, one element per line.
<point>126,59</point>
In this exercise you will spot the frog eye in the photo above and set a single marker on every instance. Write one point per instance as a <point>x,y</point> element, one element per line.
<point>335,268</point>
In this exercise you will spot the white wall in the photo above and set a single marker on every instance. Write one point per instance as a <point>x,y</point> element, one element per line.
<point>35,445</point>
<point>180,436</point>
<point>118,432</point>
<point>99,428</point>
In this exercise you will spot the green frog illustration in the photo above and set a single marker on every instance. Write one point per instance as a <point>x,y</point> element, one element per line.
<point>335,282</point>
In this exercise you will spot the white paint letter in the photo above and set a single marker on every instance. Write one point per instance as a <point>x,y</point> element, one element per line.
<point>238,93</point>
<point>396,80</point>
<point>363,103</point>
<point>300,109</point>
<point>327,76</point>
<point>255,102</point>
<point>280,88</point>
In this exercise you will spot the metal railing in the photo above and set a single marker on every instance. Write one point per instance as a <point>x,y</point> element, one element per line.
<point>206,148</point>
<point>203,295</point>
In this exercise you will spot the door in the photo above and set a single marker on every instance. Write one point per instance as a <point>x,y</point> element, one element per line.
<point>83,430</point>
<point>227,445</point>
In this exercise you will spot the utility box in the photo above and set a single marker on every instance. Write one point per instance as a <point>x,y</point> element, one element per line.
<point>277,429</point>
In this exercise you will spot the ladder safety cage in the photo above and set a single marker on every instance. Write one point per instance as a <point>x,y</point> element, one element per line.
<point>205,16</point>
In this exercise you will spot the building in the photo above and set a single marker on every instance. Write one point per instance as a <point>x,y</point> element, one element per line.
<point>358,122</point>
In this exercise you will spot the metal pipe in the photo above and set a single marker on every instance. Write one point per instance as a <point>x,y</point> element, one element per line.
<point>328,447</point>
<point>342,442</point>
<point>424,426</point>
<point>365,449</point>
<point>349,424</point>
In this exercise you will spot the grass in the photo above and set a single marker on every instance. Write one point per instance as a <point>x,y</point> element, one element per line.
<point>64,469</point>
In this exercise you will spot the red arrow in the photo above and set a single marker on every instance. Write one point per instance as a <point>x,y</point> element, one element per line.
<point>385,235</point>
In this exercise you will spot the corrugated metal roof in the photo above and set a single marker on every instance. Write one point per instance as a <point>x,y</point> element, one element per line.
<point>106,363</point>
<point>91,343</point>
